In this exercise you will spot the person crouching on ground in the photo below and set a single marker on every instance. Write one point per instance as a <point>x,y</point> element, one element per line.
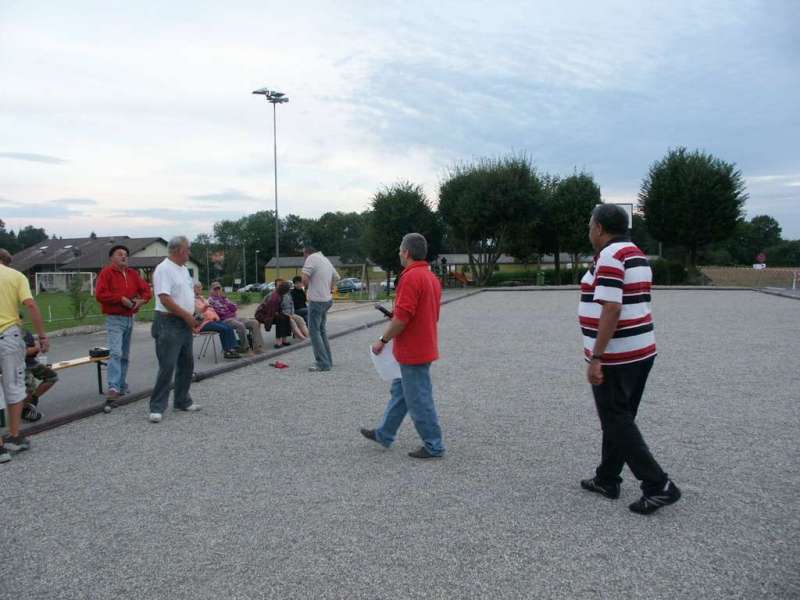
<point>121,292</point>
<point>414,327</point>
<point>208,321</point>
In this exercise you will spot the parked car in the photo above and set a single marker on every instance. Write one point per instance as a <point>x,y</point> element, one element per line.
<point>250,287</point>
<point>266,288</point>
<point>391,285</point>
<point>349,285</point>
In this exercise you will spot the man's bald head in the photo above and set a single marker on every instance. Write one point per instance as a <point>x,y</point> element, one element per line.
<point>5,257</point>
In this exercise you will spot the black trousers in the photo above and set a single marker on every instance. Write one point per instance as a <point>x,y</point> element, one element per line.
<point>617,401</point>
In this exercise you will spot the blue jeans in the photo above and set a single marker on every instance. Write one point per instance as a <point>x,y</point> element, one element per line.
<point>226,334</point>
<point>318,330</point>
<point>119,329</point>
<point>174,350</point>
<point>412,394</point>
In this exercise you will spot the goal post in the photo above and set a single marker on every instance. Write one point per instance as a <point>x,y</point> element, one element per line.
<point>60,281</point>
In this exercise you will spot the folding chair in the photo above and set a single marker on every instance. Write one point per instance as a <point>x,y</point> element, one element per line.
<point>209,339</point>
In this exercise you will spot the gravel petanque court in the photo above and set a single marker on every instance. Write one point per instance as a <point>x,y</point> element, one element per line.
<point>271,492</point>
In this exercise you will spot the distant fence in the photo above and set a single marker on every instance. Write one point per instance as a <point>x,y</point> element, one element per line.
<point>752,278</point>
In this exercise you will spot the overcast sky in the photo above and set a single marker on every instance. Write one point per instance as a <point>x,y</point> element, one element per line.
<point>136,118</point>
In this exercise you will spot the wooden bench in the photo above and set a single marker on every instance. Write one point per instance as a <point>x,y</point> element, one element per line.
<point>68,364</point>
<point>81,362</point>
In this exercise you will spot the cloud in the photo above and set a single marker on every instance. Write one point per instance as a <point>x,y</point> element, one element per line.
<point>78,201</point>
<point>42,210</point>
<point>229,195</point>
<point>30,157</point>
<point>178,215</point>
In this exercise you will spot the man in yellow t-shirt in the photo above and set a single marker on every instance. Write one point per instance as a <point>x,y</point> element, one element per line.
<point>14,290</point>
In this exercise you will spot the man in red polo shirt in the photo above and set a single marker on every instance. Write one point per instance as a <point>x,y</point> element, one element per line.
<point>414,328</point>
<point>121,292</point>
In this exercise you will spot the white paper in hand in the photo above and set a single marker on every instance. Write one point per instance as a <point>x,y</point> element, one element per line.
<point>385,363</point>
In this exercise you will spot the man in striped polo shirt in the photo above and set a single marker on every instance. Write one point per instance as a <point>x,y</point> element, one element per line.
<point>620,347</point>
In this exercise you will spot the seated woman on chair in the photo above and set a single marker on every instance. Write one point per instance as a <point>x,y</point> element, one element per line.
<point>208,321</point>
<point>269,313</point>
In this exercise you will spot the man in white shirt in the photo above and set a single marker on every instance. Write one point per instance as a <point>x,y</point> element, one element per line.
<point>173,324</point>
<point>319,277</point>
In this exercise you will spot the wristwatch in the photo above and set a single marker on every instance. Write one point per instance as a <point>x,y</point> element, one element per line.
<point>383,340</point>
<point>595,357</point>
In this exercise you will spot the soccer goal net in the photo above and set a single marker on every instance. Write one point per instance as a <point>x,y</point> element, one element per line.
<point>63,281</point>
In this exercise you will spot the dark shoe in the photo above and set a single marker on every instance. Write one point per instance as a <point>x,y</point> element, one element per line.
<point>277,346</point>
<point>609,490</point>
<point>369,434</point>
<point>30,413</point>
<point>287,344</point>
<point>317,369</point>
<point>232,354</point>
<point>650,503</point>
<point>18,444</point>
<point>422,452</point>
<point>5,455</point>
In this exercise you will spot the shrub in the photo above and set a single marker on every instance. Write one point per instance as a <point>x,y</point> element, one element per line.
<point>77,298</point>
<point>500,279</point>
<point>244,298</point>
<point>669,272</point>
<point>531,277</point>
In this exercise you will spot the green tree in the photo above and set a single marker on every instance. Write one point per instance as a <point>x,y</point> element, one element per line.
<point>785,253</point>
<point>764,232</point>
<point>548,230</point>
<point>483,204</point>
<point>339,234</point>
<point>692,199</point>
<point>8,239</point>
<point>30,235</point>
<point>294,231</point>
<point>575,197</point>
<point>640,235</point>
<point>395,211</point>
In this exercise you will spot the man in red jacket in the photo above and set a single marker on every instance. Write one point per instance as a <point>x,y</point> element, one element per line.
<point>121,292</point>
<point>414,328</point>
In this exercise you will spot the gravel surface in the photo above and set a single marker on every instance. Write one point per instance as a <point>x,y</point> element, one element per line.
<point>270,492</point>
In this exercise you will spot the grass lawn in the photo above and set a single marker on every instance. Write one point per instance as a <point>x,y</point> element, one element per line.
<point>58,313</point>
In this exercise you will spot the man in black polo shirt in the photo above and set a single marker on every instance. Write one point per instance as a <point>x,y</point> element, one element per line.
<point>298,293</point>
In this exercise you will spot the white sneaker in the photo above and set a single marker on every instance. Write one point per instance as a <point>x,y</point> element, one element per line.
<point>193,407</point>
<point>155,417</point>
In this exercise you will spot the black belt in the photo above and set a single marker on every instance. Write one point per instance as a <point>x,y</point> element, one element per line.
<point>161,313</point>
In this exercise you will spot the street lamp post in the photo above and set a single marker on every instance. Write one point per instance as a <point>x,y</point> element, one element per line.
<point>274,98</point>
<point>256,261</point>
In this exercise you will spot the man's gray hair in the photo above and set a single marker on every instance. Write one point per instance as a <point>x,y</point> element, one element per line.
<point>5,257</point>
<point>176,243</point>
<point>415,245</point>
